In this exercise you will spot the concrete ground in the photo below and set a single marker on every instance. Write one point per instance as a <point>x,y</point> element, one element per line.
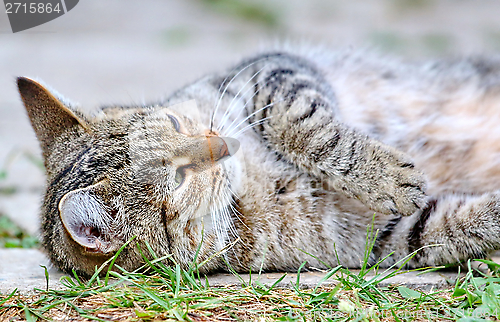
<point>113,51</point>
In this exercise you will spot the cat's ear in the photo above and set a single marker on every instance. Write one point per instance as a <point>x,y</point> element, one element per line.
<point>89,219</point>
<point>48,114</point>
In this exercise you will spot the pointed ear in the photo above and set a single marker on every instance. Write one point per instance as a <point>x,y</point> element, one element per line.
<point>49,116</point>
<point>88,219</point>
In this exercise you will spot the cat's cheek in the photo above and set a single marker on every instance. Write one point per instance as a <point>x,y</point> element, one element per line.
<point>193,199</point>
<point>184,203</point>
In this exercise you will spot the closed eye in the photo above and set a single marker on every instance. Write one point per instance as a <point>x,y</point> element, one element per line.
<point>175,122</point>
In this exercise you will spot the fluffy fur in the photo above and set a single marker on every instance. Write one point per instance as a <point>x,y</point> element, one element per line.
<point>326,143</point>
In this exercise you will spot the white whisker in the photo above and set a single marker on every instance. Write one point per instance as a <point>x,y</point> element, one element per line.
<point>231,105</point>
<point>221,219</point>
<point>237,214</point>
<point>233,193</point>
<point>217,227</point>
<point>251,125</point>
<point>230,130</point>
<point>219,93</point>
<point>246,103</point>
<point>227,86</point>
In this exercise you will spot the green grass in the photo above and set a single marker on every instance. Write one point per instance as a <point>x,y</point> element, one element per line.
<point>166,292</point>
<point>259,12</point>
<point>11,236</point>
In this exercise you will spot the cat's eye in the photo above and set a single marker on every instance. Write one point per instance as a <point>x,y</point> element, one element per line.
<point>175,122</point>
<point>179,177</point>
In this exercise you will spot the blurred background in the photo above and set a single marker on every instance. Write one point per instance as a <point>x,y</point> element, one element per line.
<point>125,51</point>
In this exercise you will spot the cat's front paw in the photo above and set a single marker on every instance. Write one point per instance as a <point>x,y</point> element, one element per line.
<point>397,186</point>
<point>387,181</point>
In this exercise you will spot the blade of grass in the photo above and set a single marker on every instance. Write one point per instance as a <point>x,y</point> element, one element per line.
<point>46,277</point>
<point>177,280</point>
<point>157,299</point>
<point>297,283</point>
<point>275,283</point>
<point>330,273</point>
<point>115,257</point>
<point>8,297</point>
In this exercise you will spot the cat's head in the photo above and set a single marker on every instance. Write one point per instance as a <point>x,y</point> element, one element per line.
<point>148,172</point>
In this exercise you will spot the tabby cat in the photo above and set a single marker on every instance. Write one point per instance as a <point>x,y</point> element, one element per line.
<point>288,157</point>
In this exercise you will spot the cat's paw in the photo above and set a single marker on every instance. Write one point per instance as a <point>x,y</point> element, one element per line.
<point>396,185</point>
<point>387,182</point>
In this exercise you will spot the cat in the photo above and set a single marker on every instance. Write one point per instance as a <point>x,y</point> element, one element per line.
<point>288,157</point>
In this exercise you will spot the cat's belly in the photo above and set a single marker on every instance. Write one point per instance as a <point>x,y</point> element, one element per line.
<point>459,160</point>
<point>458,152</point>
<point>443,116</point>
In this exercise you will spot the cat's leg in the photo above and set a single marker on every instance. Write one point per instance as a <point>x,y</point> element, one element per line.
<point>295,111</point>
<point>449,229</point>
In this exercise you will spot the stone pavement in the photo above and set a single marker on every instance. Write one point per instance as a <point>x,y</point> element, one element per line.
<point>127,52</point>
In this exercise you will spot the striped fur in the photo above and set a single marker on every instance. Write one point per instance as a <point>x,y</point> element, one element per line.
<point>330,143</point>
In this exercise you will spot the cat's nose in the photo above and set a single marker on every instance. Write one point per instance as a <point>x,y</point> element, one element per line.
<point>222,147</point>
<point>218,148</point>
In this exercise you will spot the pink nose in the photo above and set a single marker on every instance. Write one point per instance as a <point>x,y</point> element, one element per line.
<point>217,147</point>
<point>221,147</point>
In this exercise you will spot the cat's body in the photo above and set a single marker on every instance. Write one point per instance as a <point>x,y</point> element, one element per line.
<point>335,142</point>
